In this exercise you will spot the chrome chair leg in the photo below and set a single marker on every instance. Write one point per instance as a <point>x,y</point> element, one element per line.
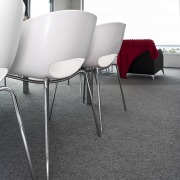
<point>162,71</point>
<point>153,77</point>
<point>99,96</point>
<point>50,113</point>
<point>80,85</point>
<point>97,122</point>
<point>5,82</point>
<point>122,93</point>
<point>21,128</point>
<point>46,111</point>
<point>84,89</point>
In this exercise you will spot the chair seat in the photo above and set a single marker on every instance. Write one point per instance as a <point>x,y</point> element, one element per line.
<point>107,60</point>
<point>66,68</point>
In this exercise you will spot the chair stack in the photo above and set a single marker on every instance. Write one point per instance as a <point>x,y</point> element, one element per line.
<point>52,48</point>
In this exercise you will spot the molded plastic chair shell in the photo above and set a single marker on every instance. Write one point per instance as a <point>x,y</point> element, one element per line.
<point>53,40</point>
<point>11,17</point>
<point>54,46</point>
<point>105,45</point>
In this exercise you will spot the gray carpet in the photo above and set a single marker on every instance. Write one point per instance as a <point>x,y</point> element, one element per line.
<point>140,144</point>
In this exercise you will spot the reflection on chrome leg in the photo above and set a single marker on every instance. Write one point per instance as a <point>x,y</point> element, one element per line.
<point>46,111</point>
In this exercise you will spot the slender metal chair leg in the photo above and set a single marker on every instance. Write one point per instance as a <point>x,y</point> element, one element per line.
<point>153,77</point>
<point>21,128</point>
<point>122,93</point>
<point>46,111</point>
<point>80,84</point>
<point>162,71</point>
<point>84,89</point>
<point>5,82</point>
<point>99,95</point>
<point>50,113</point>
<point>97,121</point>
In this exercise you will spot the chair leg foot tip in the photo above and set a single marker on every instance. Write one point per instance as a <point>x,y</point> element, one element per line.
<point>100,133</point>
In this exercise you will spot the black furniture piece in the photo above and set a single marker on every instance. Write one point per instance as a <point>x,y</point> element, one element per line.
<point>143,64</point>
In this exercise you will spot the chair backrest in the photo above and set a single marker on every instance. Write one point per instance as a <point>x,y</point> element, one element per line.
<point>51,38</point>
<point>105,45</point>
<point>11,18</point>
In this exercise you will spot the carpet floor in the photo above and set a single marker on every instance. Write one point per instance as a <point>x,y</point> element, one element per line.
<point>140,144</point>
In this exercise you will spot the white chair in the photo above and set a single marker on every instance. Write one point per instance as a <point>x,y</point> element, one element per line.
<point>11,17</point>
<point>104,48</point>
<point>52,49</point>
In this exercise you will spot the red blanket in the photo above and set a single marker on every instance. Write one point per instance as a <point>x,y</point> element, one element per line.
<point>130,50</point>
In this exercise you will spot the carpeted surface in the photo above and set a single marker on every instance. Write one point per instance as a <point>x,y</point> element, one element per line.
<point>140,144</point>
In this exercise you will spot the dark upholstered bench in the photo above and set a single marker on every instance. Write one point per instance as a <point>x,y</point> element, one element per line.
<point>143,64</point>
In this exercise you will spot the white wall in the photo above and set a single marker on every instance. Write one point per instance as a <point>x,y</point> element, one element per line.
<point>39,7</point>
<point>172,60</point>
<point>158,20</point>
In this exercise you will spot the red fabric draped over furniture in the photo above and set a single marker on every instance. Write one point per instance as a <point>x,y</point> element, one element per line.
<point>130,50</point>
